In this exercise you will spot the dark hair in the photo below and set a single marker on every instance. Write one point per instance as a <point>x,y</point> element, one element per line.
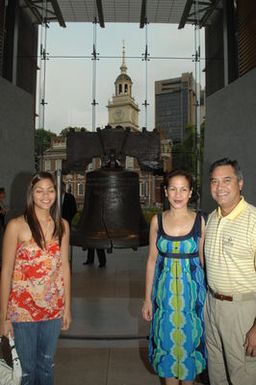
<point>179,172</point>
<point>2,190</point>
<point>227,162</point>
<point>30,215</point>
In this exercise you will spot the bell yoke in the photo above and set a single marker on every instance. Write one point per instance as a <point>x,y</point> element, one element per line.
<point>112,215</point>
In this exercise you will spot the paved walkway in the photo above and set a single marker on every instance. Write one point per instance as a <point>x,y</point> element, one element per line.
<point>106,344</point>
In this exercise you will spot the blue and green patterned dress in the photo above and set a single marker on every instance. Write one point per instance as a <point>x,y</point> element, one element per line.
<point>176,342</point>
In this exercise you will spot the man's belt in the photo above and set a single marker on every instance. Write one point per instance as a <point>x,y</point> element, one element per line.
<point>221,297</point>
<point>235,297</point>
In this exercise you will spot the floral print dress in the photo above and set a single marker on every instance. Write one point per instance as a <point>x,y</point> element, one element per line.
<point>37,292</point>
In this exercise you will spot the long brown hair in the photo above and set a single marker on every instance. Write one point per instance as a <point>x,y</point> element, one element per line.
<point>30,215</point>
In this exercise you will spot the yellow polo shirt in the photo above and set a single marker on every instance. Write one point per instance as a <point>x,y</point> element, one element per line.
<point>230,250</point>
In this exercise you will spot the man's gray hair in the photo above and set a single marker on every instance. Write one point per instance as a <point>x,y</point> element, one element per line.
<point>227,162</point>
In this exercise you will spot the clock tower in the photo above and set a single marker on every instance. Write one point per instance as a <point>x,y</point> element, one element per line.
<point>122,109</point>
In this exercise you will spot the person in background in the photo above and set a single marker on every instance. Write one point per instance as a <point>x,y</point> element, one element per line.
<point>100,254</point>
<point>68,208</point>
<point>175,286</point>
<point>35,281</point>
<point>3,209</point>
<point>230,254</point>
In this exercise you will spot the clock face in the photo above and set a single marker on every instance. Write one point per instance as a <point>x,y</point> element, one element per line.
<point>118,114</point>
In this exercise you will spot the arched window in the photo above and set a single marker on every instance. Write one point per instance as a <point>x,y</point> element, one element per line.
<point>120,88</point>
<point>125,88</point>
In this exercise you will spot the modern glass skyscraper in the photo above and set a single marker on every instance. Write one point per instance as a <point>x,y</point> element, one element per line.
<point>175,106</point>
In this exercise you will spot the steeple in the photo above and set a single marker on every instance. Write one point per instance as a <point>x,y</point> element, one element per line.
<point>123,83</point>
<point>123,67</point>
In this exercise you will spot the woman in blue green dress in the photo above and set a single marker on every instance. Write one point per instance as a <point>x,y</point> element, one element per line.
<point>175,286</point>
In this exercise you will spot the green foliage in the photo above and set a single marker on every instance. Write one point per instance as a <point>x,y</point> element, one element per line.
<point>66,130</point>
<point>76,218</point>
<point>149,212</point>
<point>185,153</point>
<point>43,140</point>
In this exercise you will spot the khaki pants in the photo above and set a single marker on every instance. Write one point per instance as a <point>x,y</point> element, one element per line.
<point>226,324</point>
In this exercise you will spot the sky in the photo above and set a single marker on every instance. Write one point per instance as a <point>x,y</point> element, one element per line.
<point>68,81</point>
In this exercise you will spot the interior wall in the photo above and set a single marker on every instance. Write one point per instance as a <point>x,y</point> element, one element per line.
<point>230,131</point>
<point>16,142</point>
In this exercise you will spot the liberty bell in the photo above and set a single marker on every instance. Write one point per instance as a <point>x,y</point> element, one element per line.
<point>112,215</point>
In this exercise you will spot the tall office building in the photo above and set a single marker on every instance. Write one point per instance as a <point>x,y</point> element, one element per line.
<point>175,106</point>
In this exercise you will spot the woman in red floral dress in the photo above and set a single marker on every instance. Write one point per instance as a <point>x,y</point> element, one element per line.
<point>35,281</point>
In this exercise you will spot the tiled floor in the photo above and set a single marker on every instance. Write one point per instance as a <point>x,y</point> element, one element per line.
<point>106,344</point>
<point>109,345</point>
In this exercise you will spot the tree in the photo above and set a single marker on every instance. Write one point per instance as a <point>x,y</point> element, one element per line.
<point>43,139</point>
<point>66,130</point>
<point>185,153</point>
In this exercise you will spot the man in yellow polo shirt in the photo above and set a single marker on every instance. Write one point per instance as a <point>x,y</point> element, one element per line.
<point>230,253</point>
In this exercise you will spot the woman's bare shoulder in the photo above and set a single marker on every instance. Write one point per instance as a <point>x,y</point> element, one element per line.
<point>17,222</point>
<point>19,227</point>
<point>154,219</point>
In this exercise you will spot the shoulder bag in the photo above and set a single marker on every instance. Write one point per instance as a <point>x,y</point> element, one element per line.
<point>10,375</point>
